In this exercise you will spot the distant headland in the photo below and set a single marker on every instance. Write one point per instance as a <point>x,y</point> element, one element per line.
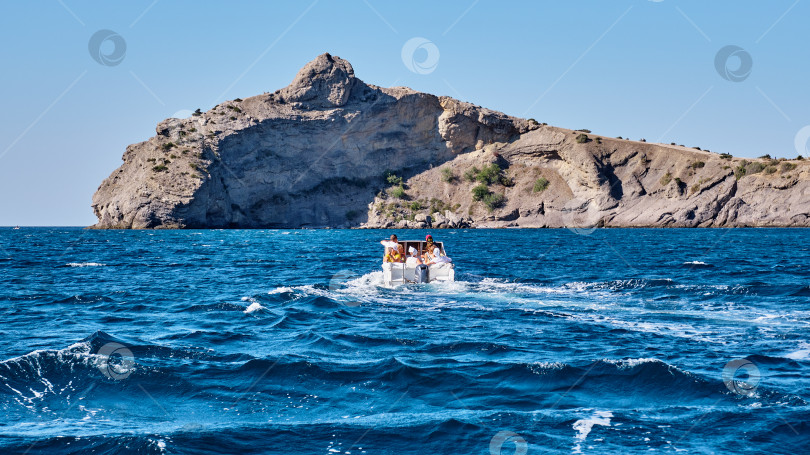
<point>332,151</point>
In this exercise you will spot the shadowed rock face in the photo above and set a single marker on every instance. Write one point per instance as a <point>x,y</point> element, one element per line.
<point>315,153</point>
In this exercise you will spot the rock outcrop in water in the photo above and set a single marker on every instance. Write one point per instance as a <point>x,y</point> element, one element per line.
<point>332,151</point>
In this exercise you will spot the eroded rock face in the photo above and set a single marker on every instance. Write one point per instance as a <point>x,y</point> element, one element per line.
<point>311,154</point>
<point>315,153</point>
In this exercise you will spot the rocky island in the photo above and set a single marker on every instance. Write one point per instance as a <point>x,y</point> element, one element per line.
<point>332,151</point>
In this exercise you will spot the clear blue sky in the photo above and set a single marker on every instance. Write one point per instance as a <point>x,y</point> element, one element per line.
<point>632,68</point>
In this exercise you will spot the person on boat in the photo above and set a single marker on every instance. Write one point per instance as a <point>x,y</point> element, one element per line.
<point>427,255</point>
<point>391,243</point>
<point>413,257</point>
<point>396,254</point>
<point>439,258</point>
<point>436,257</point>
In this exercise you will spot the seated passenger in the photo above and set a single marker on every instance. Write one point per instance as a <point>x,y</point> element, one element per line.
<point>413,258</point>
<point>438,258</point>
<point>395,254</point>
<point>427,256</point>
<point>429,243</point>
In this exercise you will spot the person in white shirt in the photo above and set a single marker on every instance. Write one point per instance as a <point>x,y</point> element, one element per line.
<point>413,258</point>
<point>436,257</point>
<point>439,258</point>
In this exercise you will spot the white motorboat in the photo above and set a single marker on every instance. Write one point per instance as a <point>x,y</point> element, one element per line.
<point>395,273</point>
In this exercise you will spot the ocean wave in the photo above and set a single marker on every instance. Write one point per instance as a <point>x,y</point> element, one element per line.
<point>281,290</point>
<point>254,305</point>
<point>100,444</point>
<point>583,427</point>
<point>621,285</point>
<point>803,291</point>
<point>219,306</point>
<point>697,265</point>
<point>85,264</point>
<point>802,353</point>
<point>396,431</point>
<point>316,383</point>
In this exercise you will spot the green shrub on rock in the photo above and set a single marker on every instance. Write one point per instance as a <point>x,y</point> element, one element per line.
<point>391,178</point>
<point>754,168</point>
<point>491,200</point>
<point>398,192</point>
<point>540,185</point>
<point>480,192</point>
<point>447,175</point>
<point>494,200</point>
<point>740,171</point>
<point>489,174</point>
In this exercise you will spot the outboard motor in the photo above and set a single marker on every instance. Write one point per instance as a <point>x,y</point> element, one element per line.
<point>421,273</point>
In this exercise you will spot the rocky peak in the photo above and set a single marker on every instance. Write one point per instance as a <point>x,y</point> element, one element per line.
<point>325,82</point>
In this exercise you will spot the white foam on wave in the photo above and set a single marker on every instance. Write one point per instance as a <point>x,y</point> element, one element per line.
<point>766,317</point>
<point>488,293</point>
<point>695,263</point>
<point>615,285</point>
<point>255,306</point>
<point>366,282</point>
<point>799,355</point>
<point>583,427</point>
<point>802,354</point>
<point>513,287</point>
<point>545,367</point>
<point>686,331</point>
<point>39,386</point>
<point>280,290</point>
<point>353,289</point>
<point>85,264</point>
<point>631,363</point>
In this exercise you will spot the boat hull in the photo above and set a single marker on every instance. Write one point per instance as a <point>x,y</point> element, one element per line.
<point>399,273</point>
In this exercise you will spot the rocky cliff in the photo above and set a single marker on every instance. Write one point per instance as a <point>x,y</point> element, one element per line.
<point>331,150</point>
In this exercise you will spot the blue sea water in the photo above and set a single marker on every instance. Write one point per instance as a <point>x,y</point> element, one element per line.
<point>274,341</point>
